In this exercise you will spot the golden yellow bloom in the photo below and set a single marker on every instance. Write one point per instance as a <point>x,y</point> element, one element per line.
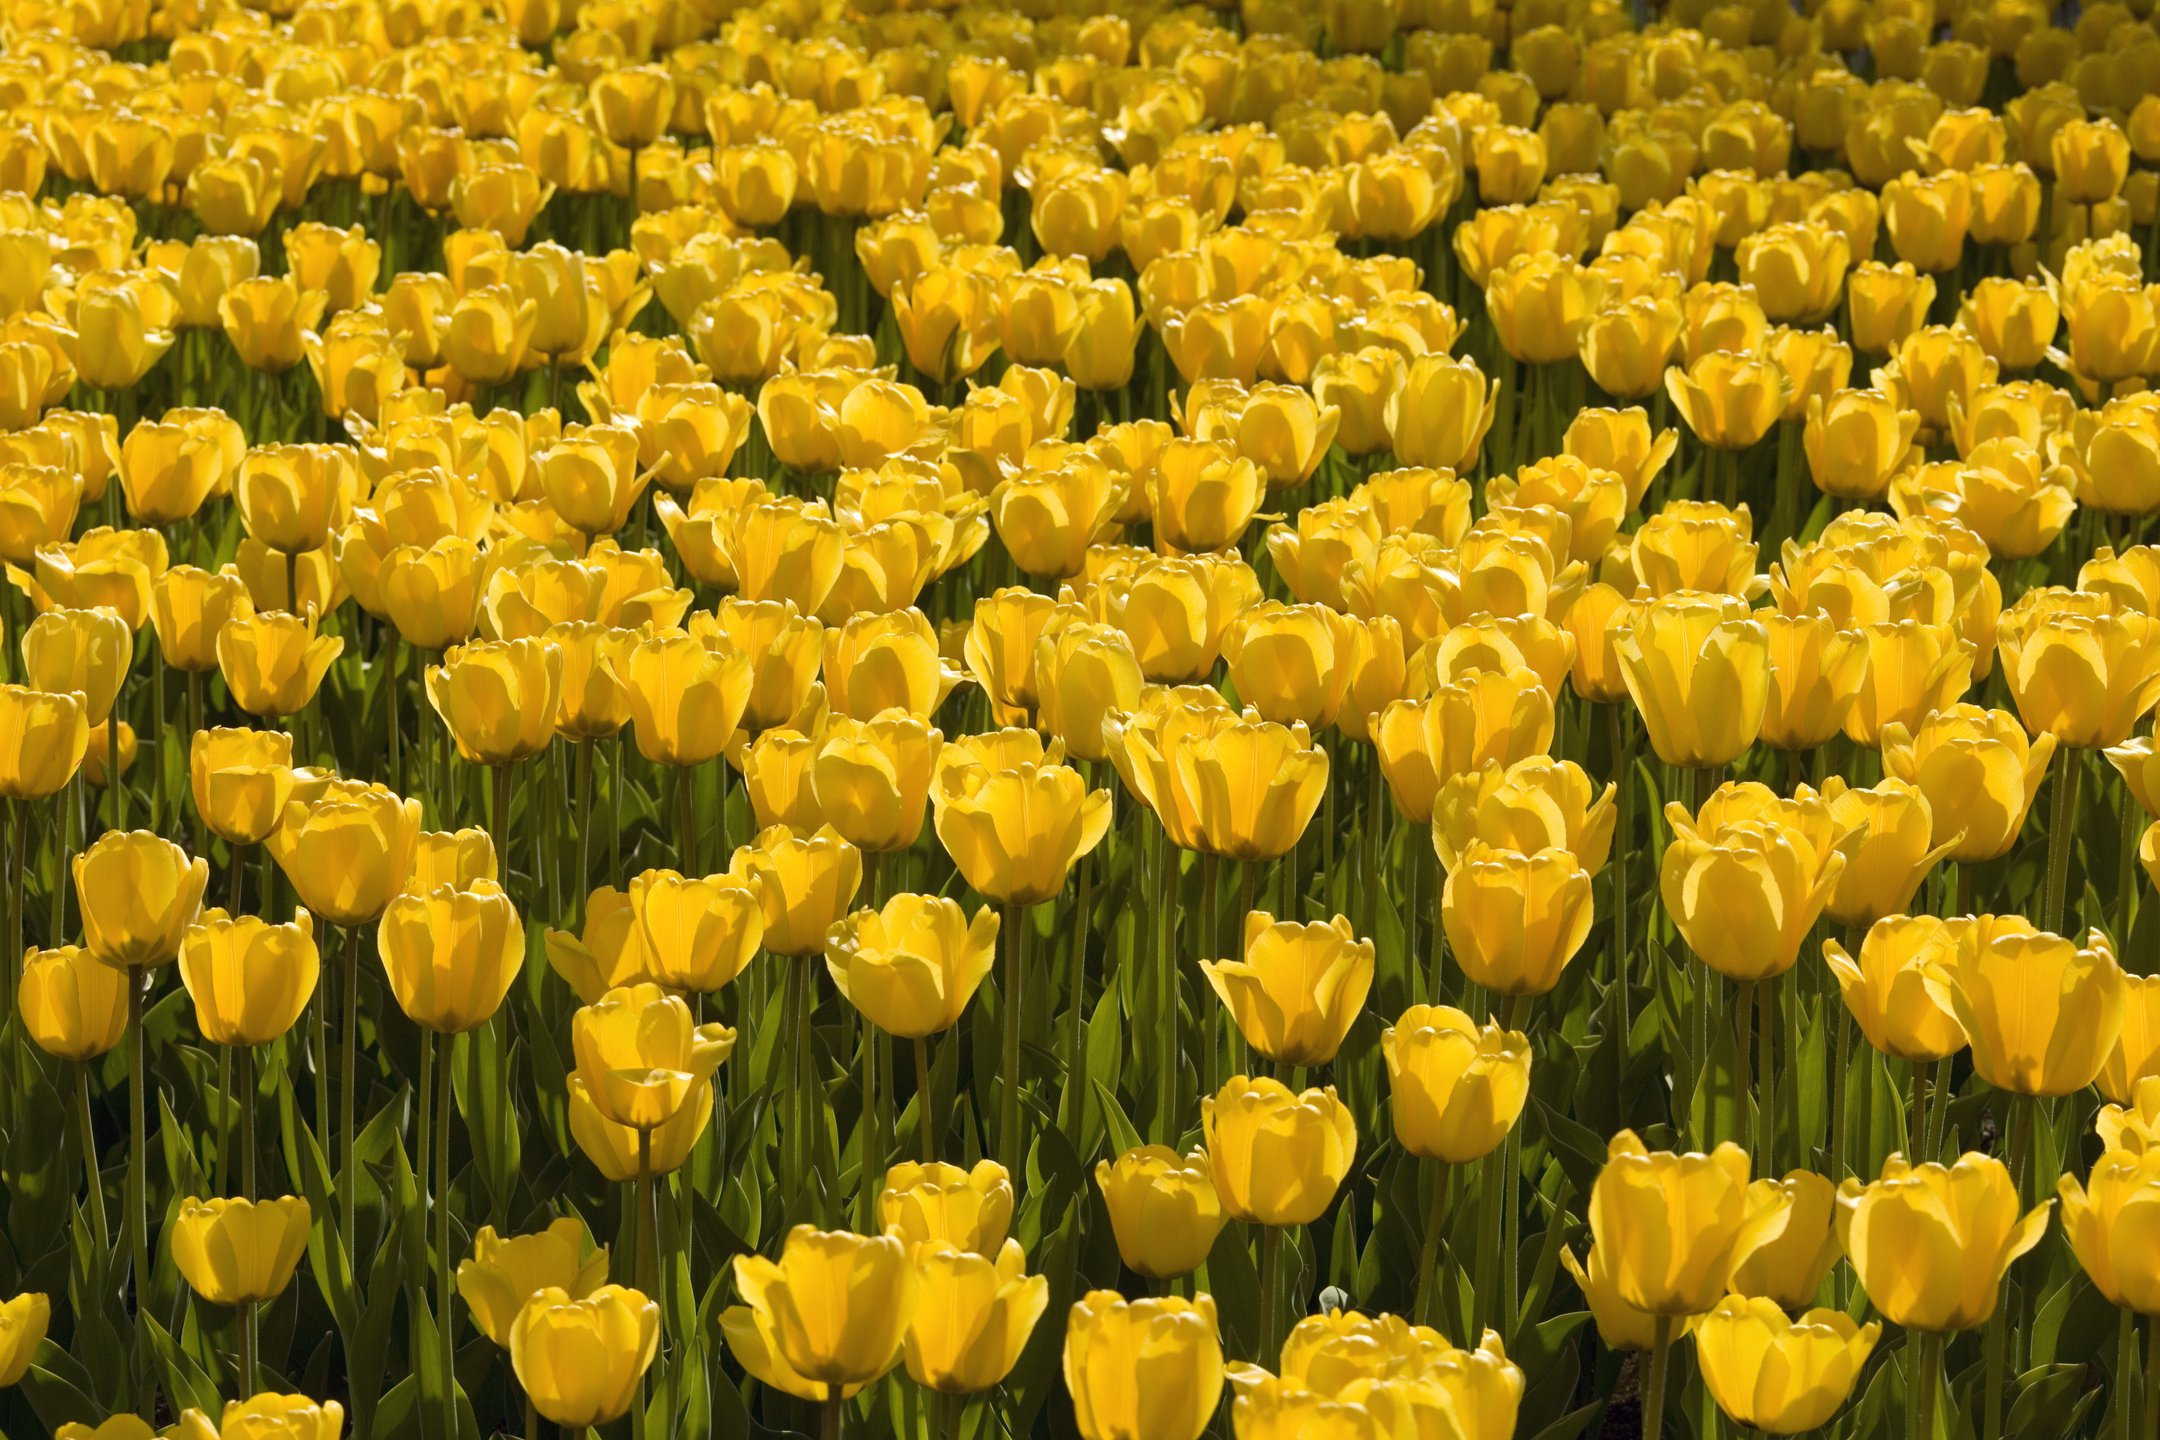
<point>138,893</point>
<point>23,1320</point>
<point>871,778</point>
<point>274,662</point>
<point>1856,440</point>
<point>1455,1088</point>
<point>1781,1376</point>
<point>972,1318</point>
<point>936,1204</point>
<point>1886,987</point>
<point>1978,771</point>
<point>2082,673</point>
<point>641,1056</point>
<point>1698,669</point>
<point>431,594</point>
<point>1671,1227</point>
<point>1439,414</point>
<point>580,1360</point>
<point>592,478</point>
<point>1298,987</point>
<point>265,318</point>
<point>1888,302</point>
<point>2041,1012</point>
<point>699,933</point>
<point>828,1317</point>
<point>72,1004</point>
<point>1729,400</point>
<point>1894,826</point>
<point>623,1152</point>
<point>1163,1209</point>
<point>2108,1222</point>
<point>1930,1244</point>
<point>1620,1325</point>
<point>249,979</point>
<point>43,739</point>
<point>240,781</point>
<point>86,652</point>
<point>686,697</point>
<point>451,954</point>
<point>502,1274</point>
<point>240,1252</point>
<point>190,608</point>
<point>874,663</point>
<point>1149,1368</point>
<point>1016,832</point>
<point>912,967</point>
<point>348,850</point>
<point>1278,1155</point>
<point>498,699</point>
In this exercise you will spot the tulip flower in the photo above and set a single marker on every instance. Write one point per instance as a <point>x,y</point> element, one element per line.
<point>73,1005</point>
<point>1455,1088</point>
<point>138,893</point>
<point>83,652</point>
<point>451,954</point>
<point>1279,1156</point>
<point>499,699</point>
<point>1142,1367</point>
<point>240,781</point>
<point>1513,920</point>
<point>190,609</point>
<point>2104,1220</point>
<point>1978,771</point>
<point>274,662</point>
<point>686,697</point>
<point>1440,413</point>
<point>872,778</point>
<point>456,858</point>
<point>1016,833</point>
<point>23,1320</point>
<point>250,980</point>
<point>240,1252</point>
<point>348,851</point>
<point>912,966</point>
<point>699,934</point>
<point>1728,400</point>
<point>580,1361</point>
<point>937,1204</point>
<point>1298,988</point>
<point>1886,987</point>
<point>1620,1325</point>
<point>641,1055</point>
<point>268,1414</point>
<point>828,1317</point>
<point>804,883</point>
<point>1698,668</point>
<point>43,739</point>
<point>1673,1227</point>
<point>1780,1376</point>
<point>625,1153</point>
<point>1894,826</point>
<point>1164,1212</point>
<point>2082,674</point>
<point>1930,1244</point>
<point>2041,1012</point>
<point>501,1275</point>
<point>972,1318</point>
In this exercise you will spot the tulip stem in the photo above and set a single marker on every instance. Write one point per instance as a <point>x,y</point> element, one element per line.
<point>1211,898</point>
<point>1009,1014</point>
<point>2062,825</point>
<point>1429,1246</point>
<point>1483,1310</point>
<point>582,879</point>
<point>1270,1295</point>
<point>1076,1016</point>
<point>1653,1402</point>
<point>926,1123</point>
<point>1991,1423</point>
<point>830,1415</point>
<point>247,1121</point>
<point>138,1194</point>
<point>1171,1061</point>
<point>92,1176</point>
<point>445,1085</point>
<point>348,1071</point>
<point>1925,1382</point>
<point>393,663</point>
<point>1766,1004</point>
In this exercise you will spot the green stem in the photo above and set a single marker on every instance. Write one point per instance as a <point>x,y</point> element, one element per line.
<point>829,1416</point>
<point>1009,1016</point>
<point>1993,1350</point>
<point>348,1073</point>
<point>1653,1404</point>
<point>1270,1294</point>
<point>2062,839</point>
<point>1075,1098</point>
<point>2149,1421</point>
<point>646,1228</point>
<point>580,882</point>
<point>926,1120</point>
<point>445,1086</point>
<point>1429,1246</point>
<point>1766,1006</point>
<point>1926,1381</point>
<point>138,1219</point>
<point>247,1120</point>
<point>247,1348</point>
<point>93,1178</point>
<point>1483,1309</point>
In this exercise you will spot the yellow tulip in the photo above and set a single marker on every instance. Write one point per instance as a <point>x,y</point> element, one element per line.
<point>580,1361</point>
<point>1164,1211</point>
<point>872,778</point>
<point>498,699</point>
<point>23,1320</point>
<point>190,609</point>
<point>1513,921</point>
<point>1885,987</point>
<point>270,1416</point>
<point>623,1153</point>
<point>240,781</point>
<point>1930,1244</point>
<point>1298,988</point>
<point>1978,771</point>
<point>43,739</point>
<point>274,662</point>
<point>1895,827</point>
<point>1279,1155</point>
<point>1673,1227</point>
<point>912,966</point>
<point>937,1204</point>
<point>2136,1053</point>
<point>501,1275</point>
<point>86,652</point>
<point>1729,400</point>
<point>972,1318</point>
<point>1781,1376</point>
<point>455,858</point>
<point>137,893</point>
<point>686,697</point>
<point>2041,1012</point>
<point>1698,668</point>
<point>2081,673</point>
<point>240,1252</point>
<point>1620,1325</point>
<point>348,850</point>
<point>71,1003</point>
<point>451,954</point>
<point>1016,832</point>
<point>828,1317</point>
<point>1455,1088</point>
<point>699,934</point>
<point>2108,1219</point>
<point>1136,1368</point>
<point>641,1055</point>
<point>250,980</point>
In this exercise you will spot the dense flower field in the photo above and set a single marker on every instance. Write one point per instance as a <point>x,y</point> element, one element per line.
<point>1318,720</point>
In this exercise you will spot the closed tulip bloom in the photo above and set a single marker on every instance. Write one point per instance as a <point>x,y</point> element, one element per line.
<point>1486,717</point>
<point>1540,305</point>
<point>2109,1220</point>
<point>1672,1227</point>
<point>1202,495</point>
<point>1930,1244</point>
<point>43,738</point>
<point>641,1056</point>
<point>2015,320</point>
<point>431,594</point>
<point>1256,784</point>
<point>487,334</point>
<point>267,1416</point>
<point>169,468</point>
<point>2136,1053</point>
<point>349,850</point>
<point>455,858</point>
<point>580,1360</point>
<point>912,967</point>
<point>1455,1088</point>
<point>265,318</point>
<point>1298,988</point>
<point>972,1318</point>
<point>1279,1156</point>
<point>1888,302</point>
<point>1816,671</point>
<point>592,477</point>
<point>451,954</point>
<point>872,778</point>
<point>1781,1376</point>
<point>830,1315</point>
<point>804,882</point>
<point>1137,1368</point>
<point>1290,662</point>
<point>1789,1268</point>
<point>23,1321</point>
<point>1896,850</point>
<point>2005,203</point>
<point>38,506</point>
<point>249,979</point>
<point>1886,987</point>
<point>1698,669</point>
<point>1620,1326</point>
<point>699,933</point>
<point>2092,158</point>
<point>622,1153</point>
<point>2084,676</point>
<point>501,1274</point>
<point>936,1204</point>
<point>631,105</point>
<point>1621,441</point>
<point>1513,920</point>
<point>274,662</point>
<point>240,1252</point>
<point>73,1005</point>
<point>686,697</point>
<point>874,663</point>
<point>1979,772</point>
<point>190,608</point>
<point>498,699</point>
<point>1729,400</point>
<point>948,320</point>
<point>1164,1211</point>
<point>1927,217</point>
<point>117,342</point>
<point>138,893</point>
<point>86,652</point>
<point>1626,345</point>
<point>1695,545</point>
<point>2041,1012</point>
<point>1439,414</point>
<point>293,498</point>
<point>1016,833</point>
<point>240,781</point>
<point>1527,806</point>
<point>1855,441</point>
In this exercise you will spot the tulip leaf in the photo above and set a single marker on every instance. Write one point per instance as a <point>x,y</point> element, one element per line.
<point>54,1385</point>
<point>2043,1407</point>
<point>184,1381</point>
<point>1122,1134</point>
<point>1572,1424</point>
